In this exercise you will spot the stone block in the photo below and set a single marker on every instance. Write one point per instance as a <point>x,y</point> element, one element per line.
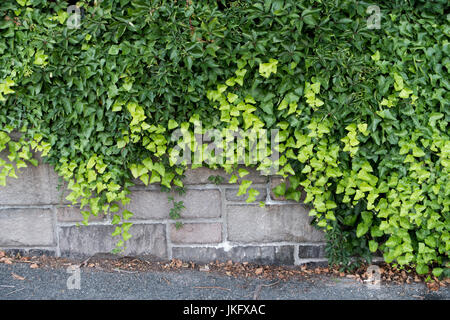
<point>73,214</point>
<point>285,222</point>
<point>148,205</point>
<point>311,251</point>
<point>147,239</point>
<point>26,228</point>
<point>273,255</point>
<point>201,204</point>
<point>196,233</point>
<point>34,186</point>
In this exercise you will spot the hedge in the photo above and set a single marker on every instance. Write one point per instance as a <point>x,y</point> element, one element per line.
<point>361,106</point>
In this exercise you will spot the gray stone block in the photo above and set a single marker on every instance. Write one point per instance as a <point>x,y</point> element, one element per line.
<point>31,252</point>
<point>73,214</point>
<point>149,205</point>
<point>274,255</point>
<point>26,228</point>
<point>196,233</point>
<point>147,239</point>
<point>306,251</point>
<point>201,204</point>
<point>312,264</point>
<point>287,222</point>
<point>231,195</point>
<point>34,186</point>
<point>146,204</point>
<point>276,181</point>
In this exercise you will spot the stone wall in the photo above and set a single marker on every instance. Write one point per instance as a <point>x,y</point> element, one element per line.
<point>217,224</point>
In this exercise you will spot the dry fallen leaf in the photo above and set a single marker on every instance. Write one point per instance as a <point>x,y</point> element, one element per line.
<point>205,268</point>
<point>433,286</point>
<point>34,266</point>
<point>17,277</point>
<point>2,254</point>
<point>258,271</point>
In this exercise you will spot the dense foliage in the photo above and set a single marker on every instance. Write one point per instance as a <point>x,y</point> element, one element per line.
<point>362,112</point>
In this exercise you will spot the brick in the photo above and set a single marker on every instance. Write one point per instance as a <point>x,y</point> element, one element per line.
<point>26,228</point>
<point>146,240</point>
<point>34,186</point>
<point>196,233</point>
<point>307,251</point>
<point>231,194</point>
<point>273,255</point>
<point>73,214</point>
<point>286,222</point>
<point>201,175</point>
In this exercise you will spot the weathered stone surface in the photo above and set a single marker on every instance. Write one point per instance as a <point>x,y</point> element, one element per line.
<point>314,263</point>
<point>34,186</point>
<point>146,204</point>
<point>196,233</point>
<point>149,205</point>
<point>306,251</point>
<point>31,252</point>
<point>26,228</point>
<point>201,175</point>
<point>263,255</point>
<point>201,204</point>
<point>231,194</point>
<point>147,239</point>
<point>287,222</point>
<point>73,214</point>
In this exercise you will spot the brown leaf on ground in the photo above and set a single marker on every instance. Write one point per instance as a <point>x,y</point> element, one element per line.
<point>258,271</point>
<point>2,254</point>
<point>17,277</point>
<point>433,286</point>
<point>34,266</point>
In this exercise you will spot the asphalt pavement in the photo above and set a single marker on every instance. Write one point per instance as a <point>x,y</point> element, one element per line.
<point>19,281</point>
